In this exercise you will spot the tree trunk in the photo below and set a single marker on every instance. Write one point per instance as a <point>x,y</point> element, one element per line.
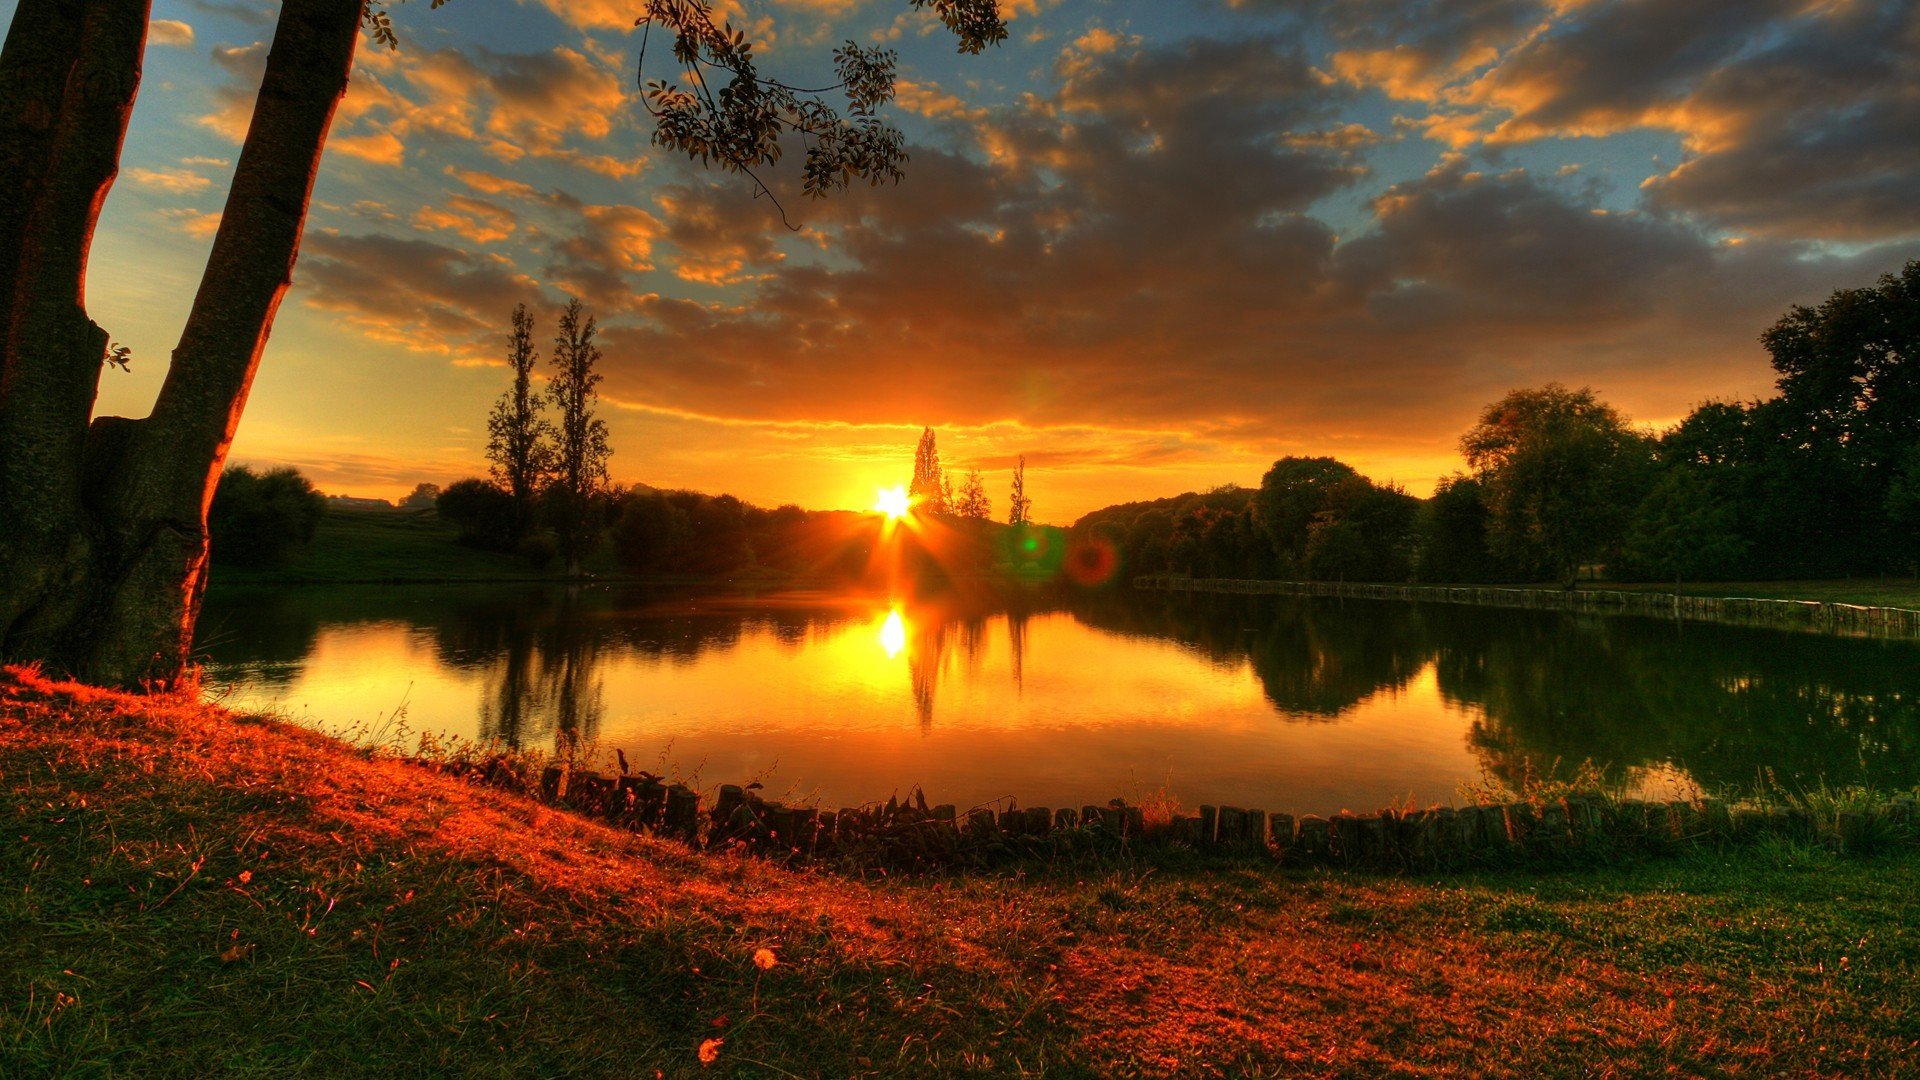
<point>68,77</point>
<point>123,505</point>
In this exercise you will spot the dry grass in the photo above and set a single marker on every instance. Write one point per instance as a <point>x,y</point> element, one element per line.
<point>186,892</point>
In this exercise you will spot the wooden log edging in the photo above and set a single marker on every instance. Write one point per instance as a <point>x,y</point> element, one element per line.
<point>1849,619</point>
<point>910,834</point>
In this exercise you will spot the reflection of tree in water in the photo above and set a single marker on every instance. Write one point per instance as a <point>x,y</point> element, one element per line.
<point>1726,704</point>
<point>544,676</point>
<point>1315,659</point>
<point>926,662</point>
<point>1017,649</point>
<point>1723,703</point>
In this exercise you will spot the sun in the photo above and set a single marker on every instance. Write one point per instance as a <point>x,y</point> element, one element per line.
<point>893,502</point>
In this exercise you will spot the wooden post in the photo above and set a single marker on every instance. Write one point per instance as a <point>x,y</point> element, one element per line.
<point>1039,821</point>
<point>652,801</point>
<point>1346,837</point>
<point>1066,818</point>
<point>1256,835</point>
<point>1375,849</point>
<point>1232,824</point>
<point>1280,828</point>
<point>683,813</point>
<point>1209,825</point>
<point>1315,841</point>
<point>1520,822</point>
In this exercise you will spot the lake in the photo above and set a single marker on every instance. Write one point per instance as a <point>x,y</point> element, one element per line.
<point>1295,704</point>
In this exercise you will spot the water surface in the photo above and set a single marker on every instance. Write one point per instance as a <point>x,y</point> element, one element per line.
<point>1310,705</point>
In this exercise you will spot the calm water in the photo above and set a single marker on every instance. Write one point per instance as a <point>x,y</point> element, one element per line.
<point>1305,705</point>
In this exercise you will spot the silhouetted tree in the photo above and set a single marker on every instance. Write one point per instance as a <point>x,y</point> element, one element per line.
<point>481,510</point>
<point>580,448</point>
<point>1453,534</point>
<point>973,501</point>
<point>262,518</point>
<point>422,497</point>
<point>1292,494</point>
<point>1561,471</point>
<point>651,534</point>
<point>519,439</point>
<point>1019,507</point>
<point>929,489</point>
<point>103,561</point>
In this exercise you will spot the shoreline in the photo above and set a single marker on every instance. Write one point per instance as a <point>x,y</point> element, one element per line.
<point>1819,616</point>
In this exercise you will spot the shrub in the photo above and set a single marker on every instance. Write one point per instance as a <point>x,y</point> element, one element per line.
<point>262,518</point>
<point>482,512</point>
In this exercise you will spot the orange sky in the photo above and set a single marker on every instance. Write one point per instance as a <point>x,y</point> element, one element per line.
<point>1151,246</point>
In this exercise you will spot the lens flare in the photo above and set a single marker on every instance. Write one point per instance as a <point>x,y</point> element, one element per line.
<point>893,502</point>
<point>893,634</point>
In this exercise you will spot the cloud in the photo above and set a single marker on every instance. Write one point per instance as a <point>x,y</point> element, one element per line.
<point>425,296</point>
<point>478,220</point>
<point>170,32</point>
<point>198,224</point>
<point>177,181</point>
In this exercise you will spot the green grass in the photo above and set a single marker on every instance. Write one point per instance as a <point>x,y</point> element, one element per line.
<point>1868,592</point>
<point>188,893</point>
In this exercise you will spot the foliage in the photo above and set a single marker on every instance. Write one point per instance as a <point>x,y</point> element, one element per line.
<point>422,497</point>
<point>739,124</point>
<point>1453,534</point>
<point>1558,466</point>
<point>579,473</point>
<point>482,512</point>
<point>1291,495</point>
<point>973,503</point>
<point>261,519</point>
<point>519,440</point>
<point>1686,529</point>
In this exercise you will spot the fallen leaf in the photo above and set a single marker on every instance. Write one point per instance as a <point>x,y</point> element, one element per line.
<point>710,1051</point>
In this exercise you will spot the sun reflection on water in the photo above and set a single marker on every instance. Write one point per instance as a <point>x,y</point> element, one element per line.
<point>893,634</point>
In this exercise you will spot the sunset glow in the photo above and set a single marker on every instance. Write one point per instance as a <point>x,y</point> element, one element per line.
<point>1349,294</point>
<point>893,502</point>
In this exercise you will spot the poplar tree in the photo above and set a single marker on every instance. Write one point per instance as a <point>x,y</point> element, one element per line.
<point>930,489</point>
<point>1020,508</point>
<point>519,439</point>
<point>580,451</point>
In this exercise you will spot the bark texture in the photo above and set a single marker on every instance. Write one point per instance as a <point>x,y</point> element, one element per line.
<point>103,578</point>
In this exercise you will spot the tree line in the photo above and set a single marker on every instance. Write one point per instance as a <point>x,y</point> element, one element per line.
<point>1820,480</point>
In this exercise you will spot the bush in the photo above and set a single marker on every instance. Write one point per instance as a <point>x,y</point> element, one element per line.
<point>651,534</point>
<point>537,551</point>
<point>262,518</point>
<point>482,512</point>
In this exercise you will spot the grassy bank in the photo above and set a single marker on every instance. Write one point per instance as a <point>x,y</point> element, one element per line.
<point>1867,592</point>
<point>187,892</point>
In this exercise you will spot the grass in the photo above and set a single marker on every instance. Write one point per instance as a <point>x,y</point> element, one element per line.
<point>1868,592</point>
<point>186,892</point>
